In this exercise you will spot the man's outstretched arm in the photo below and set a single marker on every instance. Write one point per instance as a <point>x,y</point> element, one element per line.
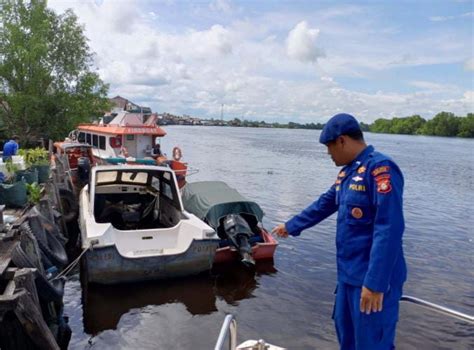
<point>315,213</point>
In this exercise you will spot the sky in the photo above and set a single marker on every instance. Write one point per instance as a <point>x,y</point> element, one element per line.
<point>281,61</point>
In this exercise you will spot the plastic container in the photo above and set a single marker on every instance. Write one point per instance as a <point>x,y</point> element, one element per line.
<point>30,175</point>
<point>14,195</point>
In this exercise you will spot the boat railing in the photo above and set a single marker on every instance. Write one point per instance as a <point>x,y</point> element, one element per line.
<point>438,308</point>
<point>188,171</point>
<point>229,327</point>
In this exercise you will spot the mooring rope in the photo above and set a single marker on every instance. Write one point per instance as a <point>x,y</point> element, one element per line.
<point>72,265</point>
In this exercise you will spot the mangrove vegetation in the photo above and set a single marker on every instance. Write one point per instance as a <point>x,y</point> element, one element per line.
<point>47,82</point>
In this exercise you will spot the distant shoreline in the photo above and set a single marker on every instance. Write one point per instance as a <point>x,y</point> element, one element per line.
<point>444,124</point>
<point>257,127</point>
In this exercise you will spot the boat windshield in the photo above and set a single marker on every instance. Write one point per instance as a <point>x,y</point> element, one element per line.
<point>131,177</point>
<point>145,192</point>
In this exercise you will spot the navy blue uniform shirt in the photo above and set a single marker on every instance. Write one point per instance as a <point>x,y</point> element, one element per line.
<point>367,195</point>
<point>10,148</point>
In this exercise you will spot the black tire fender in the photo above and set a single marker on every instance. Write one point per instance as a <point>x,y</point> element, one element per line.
<point>54,251</point>
<point>47,290</point>
<point>50,290</point>
<point>69,205</point>
<point>49,245</point>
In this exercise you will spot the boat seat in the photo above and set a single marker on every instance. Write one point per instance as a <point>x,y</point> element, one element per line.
<point>131,216</point>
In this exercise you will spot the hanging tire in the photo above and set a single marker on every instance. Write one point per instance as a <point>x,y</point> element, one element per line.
<point>49,245</point>
<point>47,290</point>
<point>54,251</point>
<point>69,205</point>
<point>50,290</point>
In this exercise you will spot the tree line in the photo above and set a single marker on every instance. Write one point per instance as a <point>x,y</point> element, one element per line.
<point>443,124</point>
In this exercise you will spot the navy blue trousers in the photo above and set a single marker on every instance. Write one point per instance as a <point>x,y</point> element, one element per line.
<point>359,331</point>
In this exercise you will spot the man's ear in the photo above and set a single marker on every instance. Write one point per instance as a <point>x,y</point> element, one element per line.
<point>342,140</point>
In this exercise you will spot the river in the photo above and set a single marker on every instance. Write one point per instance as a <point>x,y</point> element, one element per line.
<point>289,303</point>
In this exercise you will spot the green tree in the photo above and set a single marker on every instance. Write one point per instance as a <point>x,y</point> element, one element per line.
<point>47,85</point>
<point>466,126</point>
<point>381,125</point>
<point>407,125</point>
<point>443,124</point>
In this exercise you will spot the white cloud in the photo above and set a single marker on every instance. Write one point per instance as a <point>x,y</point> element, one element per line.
<point>222,6</point>
<point>469,64</point>
<point>431,87</point>
<point>216,40</point>
<point>258,66</point>
<point>469,98</point>
<point>449,18</point>
<point>327,79</point>
<point>301,43</point>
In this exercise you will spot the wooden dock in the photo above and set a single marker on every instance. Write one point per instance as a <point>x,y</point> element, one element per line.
<point>31,305</point>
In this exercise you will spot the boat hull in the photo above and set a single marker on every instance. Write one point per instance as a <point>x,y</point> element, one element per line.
<point>105,265</point>
<point>260,251</point>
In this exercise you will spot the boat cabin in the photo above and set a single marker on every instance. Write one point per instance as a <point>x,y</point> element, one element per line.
<point>135,198</point>
<point>126,135</point>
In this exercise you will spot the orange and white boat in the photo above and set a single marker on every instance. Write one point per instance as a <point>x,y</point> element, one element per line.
<point>129,138</point>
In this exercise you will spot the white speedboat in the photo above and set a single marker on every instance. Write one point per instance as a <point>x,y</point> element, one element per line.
<point>134,228</point>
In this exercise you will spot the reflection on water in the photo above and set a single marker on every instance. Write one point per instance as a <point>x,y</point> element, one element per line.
<point>104,305</point>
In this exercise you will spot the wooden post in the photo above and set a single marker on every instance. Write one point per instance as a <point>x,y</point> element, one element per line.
<point>6,249</point>
<point>30,316</point>
<point>21,297</point>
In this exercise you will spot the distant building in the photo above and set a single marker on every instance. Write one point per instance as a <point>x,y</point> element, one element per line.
<point>118,102</point>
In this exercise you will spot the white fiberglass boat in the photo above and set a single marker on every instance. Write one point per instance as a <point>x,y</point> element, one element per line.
<point>134,227</point>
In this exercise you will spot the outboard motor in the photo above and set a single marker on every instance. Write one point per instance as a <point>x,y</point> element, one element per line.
<point>83,169</point>
<point>239,232</point>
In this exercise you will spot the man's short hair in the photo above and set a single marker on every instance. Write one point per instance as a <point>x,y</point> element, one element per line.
<point>356,135</point>
<point>15,137</point>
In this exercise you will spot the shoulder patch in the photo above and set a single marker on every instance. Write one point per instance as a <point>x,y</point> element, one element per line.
<point>382,177</point>
<point>380,170</point>
<point>384,185</point>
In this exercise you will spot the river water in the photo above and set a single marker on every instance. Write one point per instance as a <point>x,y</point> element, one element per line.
<point>289,302</point>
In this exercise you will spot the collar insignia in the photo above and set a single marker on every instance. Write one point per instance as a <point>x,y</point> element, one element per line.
<point>361,170</point>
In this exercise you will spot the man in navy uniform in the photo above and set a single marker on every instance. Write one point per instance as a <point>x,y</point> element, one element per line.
<point>367,195</point>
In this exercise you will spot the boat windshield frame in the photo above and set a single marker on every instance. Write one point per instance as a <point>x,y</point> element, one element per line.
<point>167,183</point>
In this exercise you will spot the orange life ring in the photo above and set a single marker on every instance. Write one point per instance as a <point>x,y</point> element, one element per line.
<point>177,154</point>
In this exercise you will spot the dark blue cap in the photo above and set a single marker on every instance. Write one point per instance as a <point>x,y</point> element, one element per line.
<point>340,124</point>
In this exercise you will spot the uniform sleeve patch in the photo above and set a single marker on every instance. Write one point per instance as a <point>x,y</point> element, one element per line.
<point>382,177</point>
<point>384,185</point>
<point>380,170</point>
